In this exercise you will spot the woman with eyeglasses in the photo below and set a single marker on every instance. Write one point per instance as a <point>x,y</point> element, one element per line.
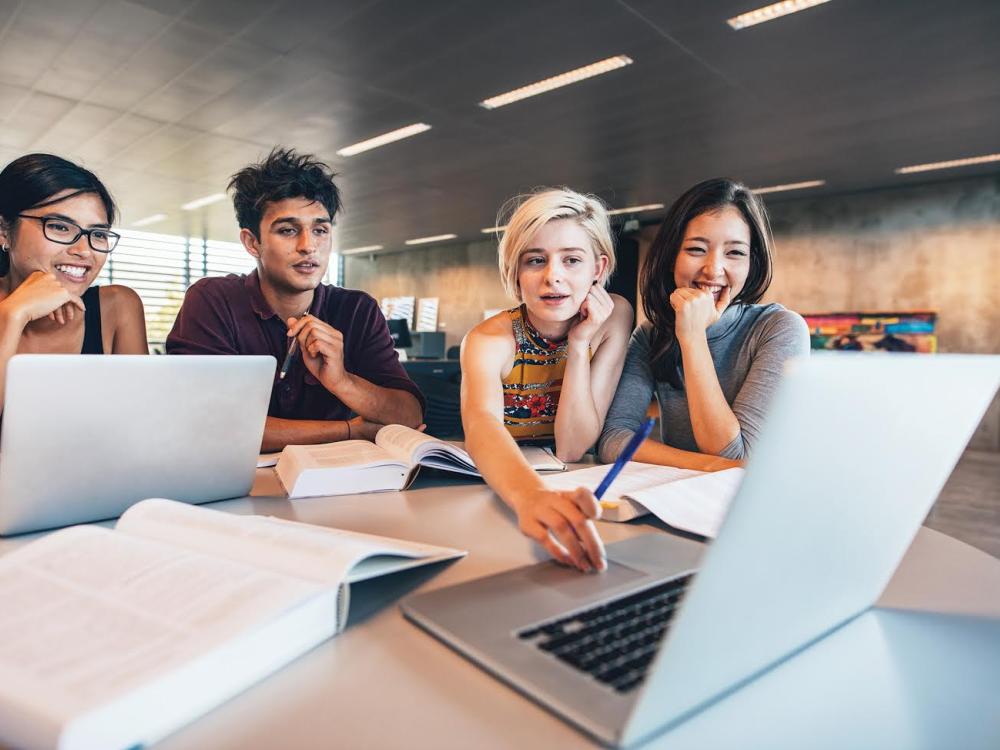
<point>55,234</point>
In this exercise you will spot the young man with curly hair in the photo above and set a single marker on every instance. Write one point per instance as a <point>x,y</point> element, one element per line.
<point>346,380</point>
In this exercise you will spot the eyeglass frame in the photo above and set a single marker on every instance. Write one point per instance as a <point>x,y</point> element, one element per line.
<point>81,232</point>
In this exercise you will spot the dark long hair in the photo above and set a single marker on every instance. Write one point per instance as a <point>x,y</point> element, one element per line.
<point>30,181</point>
<point>656,280</point>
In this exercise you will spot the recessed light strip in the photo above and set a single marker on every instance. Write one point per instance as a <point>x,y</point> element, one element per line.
<point>202,202</point>
<point>381,140</point>
<point>435,238</point>
<point>555,82</point>
<point>145,222</point>
<point>493,230</point>
<point>365,249</point>
<point>789,186</point>
<point>986,159</point>
<point>771,12</point>
<point>635,209</point>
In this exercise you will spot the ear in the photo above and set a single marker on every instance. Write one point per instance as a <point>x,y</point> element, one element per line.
<point>250,242</point>
<point>602,267</point>
<point>5,235</point>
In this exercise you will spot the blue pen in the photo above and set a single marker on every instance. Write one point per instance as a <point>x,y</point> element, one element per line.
<point>625,457</point>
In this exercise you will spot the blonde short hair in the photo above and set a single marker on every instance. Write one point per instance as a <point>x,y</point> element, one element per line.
<point>529,213</point>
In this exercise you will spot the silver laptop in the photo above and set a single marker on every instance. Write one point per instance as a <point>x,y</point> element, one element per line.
<point>85,437</point>
<point>852,456</point>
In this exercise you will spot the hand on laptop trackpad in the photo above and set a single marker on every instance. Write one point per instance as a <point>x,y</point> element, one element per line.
<point>573,585</point>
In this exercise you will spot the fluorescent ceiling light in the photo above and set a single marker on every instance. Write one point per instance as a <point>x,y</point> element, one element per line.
<point>949,164</point>
<point>492,230</point>
<point>789,186</point>
<point>771,12</point>
<point>555,82</point>
<point>381,140</point>
<point>206,201</point>
<point>145,222</point>
<point>365,249</point>
<point>635,209</point>
<point>435,238</point>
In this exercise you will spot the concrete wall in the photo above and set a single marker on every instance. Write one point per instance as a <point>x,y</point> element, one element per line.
<point>464,277</point>
<point>933,246</point>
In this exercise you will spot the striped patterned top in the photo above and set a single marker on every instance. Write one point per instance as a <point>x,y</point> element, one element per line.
<point>531,390</point>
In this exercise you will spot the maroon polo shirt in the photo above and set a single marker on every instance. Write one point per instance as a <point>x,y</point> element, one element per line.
<point>229,315</point>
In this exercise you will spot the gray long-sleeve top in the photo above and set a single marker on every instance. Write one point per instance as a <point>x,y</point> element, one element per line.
<point>749,345</point>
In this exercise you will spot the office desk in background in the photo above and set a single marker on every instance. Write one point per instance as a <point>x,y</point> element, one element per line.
<point>907,675</point>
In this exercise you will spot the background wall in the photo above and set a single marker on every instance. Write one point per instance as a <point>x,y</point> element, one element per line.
<point>464,277</point>
<point>934,246</point>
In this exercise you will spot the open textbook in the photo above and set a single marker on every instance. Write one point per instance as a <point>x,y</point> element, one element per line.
<point>390,463</point>
<point>689,500</point>
<point>113,639</point>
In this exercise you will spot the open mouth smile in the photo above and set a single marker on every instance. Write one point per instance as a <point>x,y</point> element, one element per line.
<point>73,272</point>
<point>714,289</point>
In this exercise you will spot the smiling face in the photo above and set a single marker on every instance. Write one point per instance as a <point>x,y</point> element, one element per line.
<point>715,253</point>
<point>77,265</point>
<point>557,269</point>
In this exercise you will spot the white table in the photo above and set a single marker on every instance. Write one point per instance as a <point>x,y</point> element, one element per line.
<point>922,670</point>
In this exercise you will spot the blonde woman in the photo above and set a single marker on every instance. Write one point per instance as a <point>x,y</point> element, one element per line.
<point>546,370</point>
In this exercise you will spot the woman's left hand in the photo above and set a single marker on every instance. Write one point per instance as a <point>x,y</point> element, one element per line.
<point>594,312</point>
<point>695,310</point>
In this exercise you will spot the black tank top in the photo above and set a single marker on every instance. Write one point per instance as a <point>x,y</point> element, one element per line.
<point>93,341</point>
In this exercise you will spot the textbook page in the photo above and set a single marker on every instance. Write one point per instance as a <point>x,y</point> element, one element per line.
<point>635,476</point>
<point>312,553</point>
<point>687,499</point>
<point>698,504</point>
<point>90,614</point>
<point>415,447</point>
<point>354,454</point>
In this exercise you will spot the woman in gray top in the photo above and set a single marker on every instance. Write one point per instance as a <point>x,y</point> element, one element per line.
<point>711,355</point>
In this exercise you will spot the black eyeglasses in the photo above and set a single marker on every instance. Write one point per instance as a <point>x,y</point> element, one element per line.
<point>66,232</point>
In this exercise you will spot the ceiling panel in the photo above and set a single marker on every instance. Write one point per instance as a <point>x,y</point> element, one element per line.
<point>168,98</point>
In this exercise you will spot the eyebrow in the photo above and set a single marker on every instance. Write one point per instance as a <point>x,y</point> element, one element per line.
<point>558,250</point>
<point>71,220</point>
<point>708,242</point>
<point>296,220</point>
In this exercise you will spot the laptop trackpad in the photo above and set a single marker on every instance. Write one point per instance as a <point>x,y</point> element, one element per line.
<point>573,585</point>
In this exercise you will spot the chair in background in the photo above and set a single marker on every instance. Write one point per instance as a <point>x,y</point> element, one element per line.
<point>443,415</point>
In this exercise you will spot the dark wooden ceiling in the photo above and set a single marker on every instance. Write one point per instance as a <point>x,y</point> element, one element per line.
<point>166,98</point>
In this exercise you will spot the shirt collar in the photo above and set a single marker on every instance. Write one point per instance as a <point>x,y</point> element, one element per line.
<point>251,282</point>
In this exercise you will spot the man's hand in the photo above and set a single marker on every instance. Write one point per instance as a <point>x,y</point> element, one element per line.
<point>562,521</point>
<point>362,429</point>
<point>322,348</point>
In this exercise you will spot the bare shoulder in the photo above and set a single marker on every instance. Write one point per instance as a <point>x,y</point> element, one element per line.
<point>619,323</point>
<point>492,339</point>
<point>493,329</point>
<point>120,300</point>
<point>622,310</point>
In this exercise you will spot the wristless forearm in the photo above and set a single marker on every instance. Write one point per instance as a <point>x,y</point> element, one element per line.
<point>578,425</point>
<point>712,419</point>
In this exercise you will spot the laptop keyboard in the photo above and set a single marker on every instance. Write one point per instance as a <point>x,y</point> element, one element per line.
<point>613,642</point>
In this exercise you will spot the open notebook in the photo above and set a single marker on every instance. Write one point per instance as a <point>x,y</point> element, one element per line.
<point>390,463</point>
<point>114,639</point>
<point>694,501</point>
